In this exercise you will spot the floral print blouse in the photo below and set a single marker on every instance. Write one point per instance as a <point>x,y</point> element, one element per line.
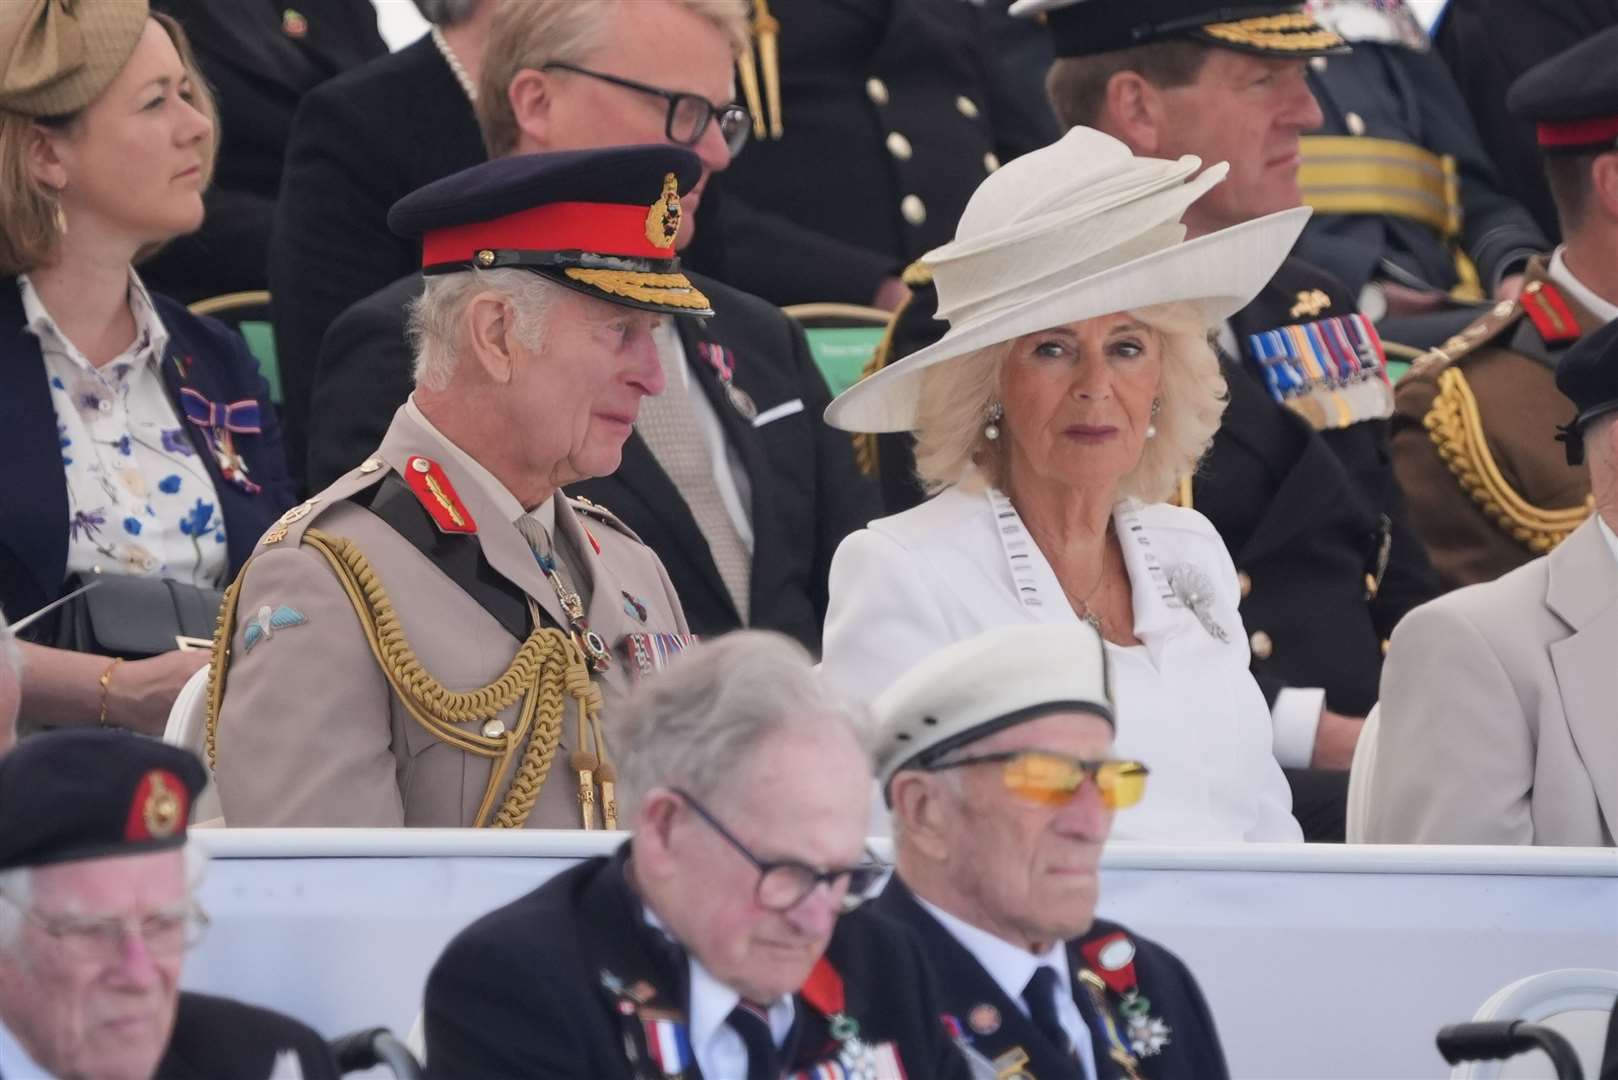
<point>140,500</point>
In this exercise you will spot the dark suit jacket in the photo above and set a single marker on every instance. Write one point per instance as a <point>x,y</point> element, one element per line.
<point>1487,44</point>
<point>359,144</point>
<point>1410,97</point>
<point>202,354</point>
<point>806,493</point>
<point>258,72</point>
<point>797,231</point>
<point>524,991</point>
<point>1192,1052</point>
<point>220,1039</point>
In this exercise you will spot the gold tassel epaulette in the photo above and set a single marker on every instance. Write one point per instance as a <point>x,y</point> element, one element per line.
<point>1455,425</point>
<point>763,58</point>
<point>916,275</point>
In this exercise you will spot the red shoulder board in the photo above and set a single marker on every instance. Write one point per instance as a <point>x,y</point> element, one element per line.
<point>1550,313</point>
<point>427,480</point>
<point>1112,958</point>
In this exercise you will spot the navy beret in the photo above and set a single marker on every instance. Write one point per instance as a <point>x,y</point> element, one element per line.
<point>1572,98</point>
<point>1089,27</point>
<point>601,221</point>
<point>1588,375</point>
<point>86,794</point>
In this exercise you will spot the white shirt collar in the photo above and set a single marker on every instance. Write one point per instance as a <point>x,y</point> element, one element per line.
<point>1009,966</point>
<point>710,1002</point>
<point>1562,278</point>
<point>498,493</point>
<point>151,336</point>
<point>15,1061</point>
<point>1611,537</point>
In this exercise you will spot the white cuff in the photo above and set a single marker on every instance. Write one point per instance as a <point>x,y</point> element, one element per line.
<point>1296,715</point>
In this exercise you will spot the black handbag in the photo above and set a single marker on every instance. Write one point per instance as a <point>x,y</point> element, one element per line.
<point>136,617</point>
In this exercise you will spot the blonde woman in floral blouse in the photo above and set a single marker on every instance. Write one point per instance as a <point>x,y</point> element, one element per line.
<point>137,438</point>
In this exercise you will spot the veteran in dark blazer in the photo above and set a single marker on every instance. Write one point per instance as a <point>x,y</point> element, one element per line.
<point>260,59</point>
<point>467,613</point>
<point>1475,435</point>
<point>995,756</point>
<point>357,145</point>
<point>720,940</point>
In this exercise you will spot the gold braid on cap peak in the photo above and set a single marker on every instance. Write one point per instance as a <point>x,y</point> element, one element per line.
<point>547,670</point>
<point>1290,31</point>
<point>1456,427</point>
<point>671,290</point>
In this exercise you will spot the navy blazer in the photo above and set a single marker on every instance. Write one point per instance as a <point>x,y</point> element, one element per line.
<point>203,354</point>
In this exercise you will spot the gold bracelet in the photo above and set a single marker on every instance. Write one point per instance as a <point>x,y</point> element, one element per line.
<point>106,682</point>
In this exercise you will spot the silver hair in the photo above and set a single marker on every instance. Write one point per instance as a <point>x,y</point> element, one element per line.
<point>435,316</point>
<point>694,725</point>
<point>956,397</point>
<point>446,12</point>
<point>17,887</point>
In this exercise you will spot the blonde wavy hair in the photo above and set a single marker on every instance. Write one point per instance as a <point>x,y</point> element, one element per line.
<point>955,397</point>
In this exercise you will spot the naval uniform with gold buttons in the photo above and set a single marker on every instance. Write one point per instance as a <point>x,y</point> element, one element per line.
<point>328,718</point>
<point>886,129</point>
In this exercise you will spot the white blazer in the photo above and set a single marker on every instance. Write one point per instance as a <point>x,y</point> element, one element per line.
<point>1187,705</point>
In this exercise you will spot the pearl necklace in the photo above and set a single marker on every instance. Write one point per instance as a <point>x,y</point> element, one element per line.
<point>454,63</point>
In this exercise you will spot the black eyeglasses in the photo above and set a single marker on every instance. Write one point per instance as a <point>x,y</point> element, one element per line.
<point>689,114</point>
<point>784,884</point>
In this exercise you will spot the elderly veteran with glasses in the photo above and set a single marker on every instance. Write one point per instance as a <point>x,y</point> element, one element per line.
<point>425,642</point>
<point>995,754</point>
<point>96,913</point>
<point>1073,394</point>
<point>720,941</point>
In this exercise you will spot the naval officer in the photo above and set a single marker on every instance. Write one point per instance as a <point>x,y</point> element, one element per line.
<point>425,641</point>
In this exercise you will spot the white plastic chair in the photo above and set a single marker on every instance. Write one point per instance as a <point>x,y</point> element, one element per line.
<point>1574,1002</point>
<point>188,727</point>
<point>1360,772</point>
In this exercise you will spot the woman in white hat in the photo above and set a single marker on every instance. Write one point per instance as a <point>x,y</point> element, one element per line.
<point>1073,394</point>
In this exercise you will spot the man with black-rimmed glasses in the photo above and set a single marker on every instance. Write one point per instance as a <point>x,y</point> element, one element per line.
<point>96,914</point>
<point>721,941</point>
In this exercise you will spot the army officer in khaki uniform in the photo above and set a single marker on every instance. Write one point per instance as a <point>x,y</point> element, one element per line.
<point>426,641</point>
<point>1475,422</point>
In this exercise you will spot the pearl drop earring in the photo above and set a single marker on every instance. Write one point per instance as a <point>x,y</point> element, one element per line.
<point>991,430</point>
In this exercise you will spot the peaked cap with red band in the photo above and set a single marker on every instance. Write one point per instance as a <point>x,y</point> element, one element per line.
<point>602,222</point>
<point>90,794</point>
<point>1572,98</point>
<point>1280,28</point>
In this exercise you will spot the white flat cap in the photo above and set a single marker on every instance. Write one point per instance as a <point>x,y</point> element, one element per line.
<point>974,688</point>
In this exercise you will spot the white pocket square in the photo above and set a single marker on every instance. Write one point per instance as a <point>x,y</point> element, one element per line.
<point>777,412</point>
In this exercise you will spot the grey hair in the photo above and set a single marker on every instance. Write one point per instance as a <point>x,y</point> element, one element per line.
<point>957,395</point>
<point>446,12</point>
<point>435,316</point>
<point>17,886</point>
<point>694,725</point>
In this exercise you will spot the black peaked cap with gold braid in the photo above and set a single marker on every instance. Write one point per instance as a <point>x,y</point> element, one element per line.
<point>1090,27</point>
<point>603,222</point>
<point>87,794</point>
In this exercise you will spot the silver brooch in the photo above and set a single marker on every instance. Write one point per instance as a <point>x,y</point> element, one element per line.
<point>1193,589</point>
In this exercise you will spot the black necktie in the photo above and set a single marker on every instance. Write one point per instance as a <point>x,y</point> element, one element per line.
<point>753,1025</point>
<point>1040,995</point>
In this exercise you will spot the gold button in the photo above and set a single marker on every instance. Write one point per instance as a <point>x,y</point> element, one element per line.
<point>421,465</point>
<point>913,209</point>
<point>485,257</point>
<point>990,162</point>
<point>877,91</point>
<point>1370,586</point>
<point>1385,646</point>
<point>1317,63</point>
<point>967,106</point>
<point>1244,582</point>
<point>1261,645</point>
<point>1356,123</point>
<point>898,146</point>
<point>494,729</point>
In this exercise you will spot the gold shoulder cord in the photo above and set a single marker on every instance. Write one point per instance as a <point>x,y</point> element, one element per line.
<point>1456,428</point>
<point>548,666</point>
<point>915,275</point>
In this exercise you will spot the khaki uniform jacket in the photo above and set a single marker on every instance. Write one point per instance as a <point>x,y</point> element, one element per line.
<point>309,729</point>
<point>1474,444</point>
<point>1498,722</point>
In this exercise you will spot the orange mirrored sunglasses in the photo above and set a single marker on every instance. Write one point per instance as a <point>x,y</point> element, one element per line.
<point>1046,778</point>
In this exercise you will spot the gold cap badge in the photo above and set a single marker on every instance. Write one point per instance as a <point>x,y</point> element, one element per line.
<point>663,219</point>
<point>161,810</point>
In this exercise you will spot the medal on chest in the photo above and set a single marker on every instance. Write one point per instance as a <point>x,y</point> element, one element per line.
<point>1112,964</point>
<point>723,362</point>
<point>853,1058</point>
<point>657,1041</point>
<point>220,422</point>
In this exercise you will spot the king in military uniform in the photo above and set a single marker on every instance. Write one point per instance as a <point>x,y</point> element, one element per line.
<point>425,642</point>
<point>1474,438</point>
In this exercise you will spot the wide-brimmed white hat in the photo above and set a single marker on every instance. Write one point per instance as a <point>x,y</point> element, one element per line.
<point>1074,230</point>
